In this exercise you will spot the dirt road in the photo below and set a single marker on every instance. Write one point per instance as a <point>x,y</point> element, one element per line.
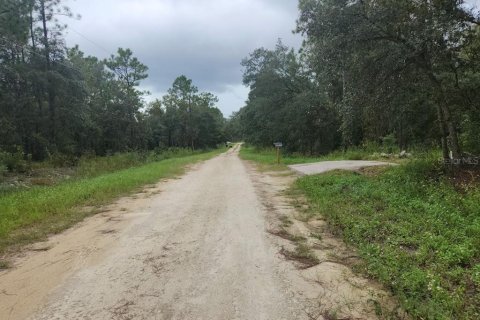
<point>196,247</point>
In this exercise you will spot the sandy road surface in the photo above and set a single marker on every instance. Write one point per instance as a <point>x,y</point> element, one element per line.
<point>197,247</point>
<point>325,166</point>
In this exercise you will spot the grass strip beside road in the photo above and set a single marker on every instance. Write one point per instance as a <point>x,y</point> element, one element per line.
<point>267,156</point>
<point>418,235</point>
<point>30,215</point>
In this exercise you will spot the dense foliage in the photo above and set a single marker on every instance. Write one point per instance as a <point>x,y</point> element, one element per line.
<point>367,70</point>
<point>285,103</point>
<point>57,100</point>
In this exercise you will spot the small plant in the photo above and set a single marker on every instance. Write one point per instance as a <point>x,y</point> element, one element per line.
<point>302,254</point>
<point>60,160</point>
<point>286,222</point>
<point>3,171</point>
<point>5,265</point>
<point>14,161</point>
<point>316,235</point>
<point>389,142</point>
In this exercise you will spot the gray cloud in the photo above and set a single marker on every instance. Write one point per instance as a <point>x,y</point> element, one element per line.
<point>203,39</point>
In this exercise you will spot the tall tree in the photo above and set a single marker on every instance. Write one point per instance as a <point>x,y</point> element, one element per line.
<point>386,45</point>
<point>191,118</point>
<point>285,103</point>
<point>126,73</point>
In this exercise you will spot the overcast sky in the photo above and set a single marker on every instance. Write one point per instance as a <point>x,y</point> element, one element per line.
<point>202,39</point>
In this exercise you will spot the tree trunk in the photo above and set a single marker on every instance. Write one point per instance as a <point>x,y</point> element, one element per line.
<point>51,91</point>
<point>45,34</point>
<point>32,35</point>
<point>443,131</point>
<point>453,135</point>
<point>453,143</point>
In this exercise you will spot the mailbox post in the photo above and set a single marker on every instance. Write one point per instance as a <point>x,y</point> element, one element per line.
<point>278,145</point>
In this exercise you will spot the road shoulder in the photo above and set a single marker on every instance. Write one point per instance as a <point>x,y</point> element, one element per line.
<point>322,260</point>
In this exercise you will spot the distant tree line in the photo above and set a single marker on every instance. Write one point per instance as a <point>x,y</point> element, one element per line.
<point>369,69</point>
<point>55,99</point>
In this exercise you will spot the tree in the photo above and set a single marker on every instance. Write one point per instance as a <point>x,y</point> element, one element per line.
<point>285,104</point>
<point>55,99</point>
<point>125,75</point>
<point>369,47</point>
<point>191,118</point>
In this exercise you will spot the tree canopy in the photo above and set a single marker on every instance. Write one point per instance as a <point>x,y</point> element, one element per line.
<point>55,99</point>
<point>369,69</point>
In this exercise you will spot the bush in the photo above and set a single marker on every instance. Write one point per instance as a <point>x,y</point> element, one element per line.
<point>90,166</point>
<point>471,136</point>
<point>60,160</point>
<point>389,143</point>
<point>14,161</point>
<point>3,170</point>
<point>354,155</point>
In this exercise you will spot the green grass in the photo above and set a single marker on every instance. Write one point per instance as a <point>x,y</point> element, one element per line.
<point>94,166</point>
<point>267,157</point>
<point>416,233</point>
<point>60,167</point>
<point>29,215</point>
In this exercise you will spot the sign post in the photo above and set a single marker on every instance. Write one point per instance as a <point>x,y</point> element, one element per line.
<point>278,145</point>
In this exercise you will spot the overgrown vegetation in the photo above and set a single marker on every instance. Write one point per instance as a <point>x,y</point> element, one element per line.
<point>22,174</point>
<point>416,233</point>
<point>93,166</point>
<point>29,215</point>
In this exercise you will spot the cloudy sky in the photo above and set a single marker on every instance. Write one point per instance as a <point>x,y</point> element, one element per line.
<point>202,39</point>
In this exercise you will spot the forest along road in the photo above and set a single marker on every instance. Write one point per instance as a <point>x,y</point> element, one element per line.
<point>197,248</point>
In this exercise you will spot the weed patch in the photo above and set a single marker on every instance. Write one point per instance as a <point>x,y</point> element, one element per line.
<point>302,254</point>
<point>4,265</point>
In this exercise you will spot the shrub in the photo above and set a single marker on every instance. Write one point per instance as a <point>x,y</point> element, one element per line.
<point>3,170</point>
<point>470,138</point>
<point>389,142</point>
<point>14,161</point>
<point>92,166</point>
<point>60,160</point>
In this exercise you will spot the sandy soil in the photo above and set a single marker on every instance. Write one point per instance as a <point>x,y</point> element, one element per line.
<point>197,247</point>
